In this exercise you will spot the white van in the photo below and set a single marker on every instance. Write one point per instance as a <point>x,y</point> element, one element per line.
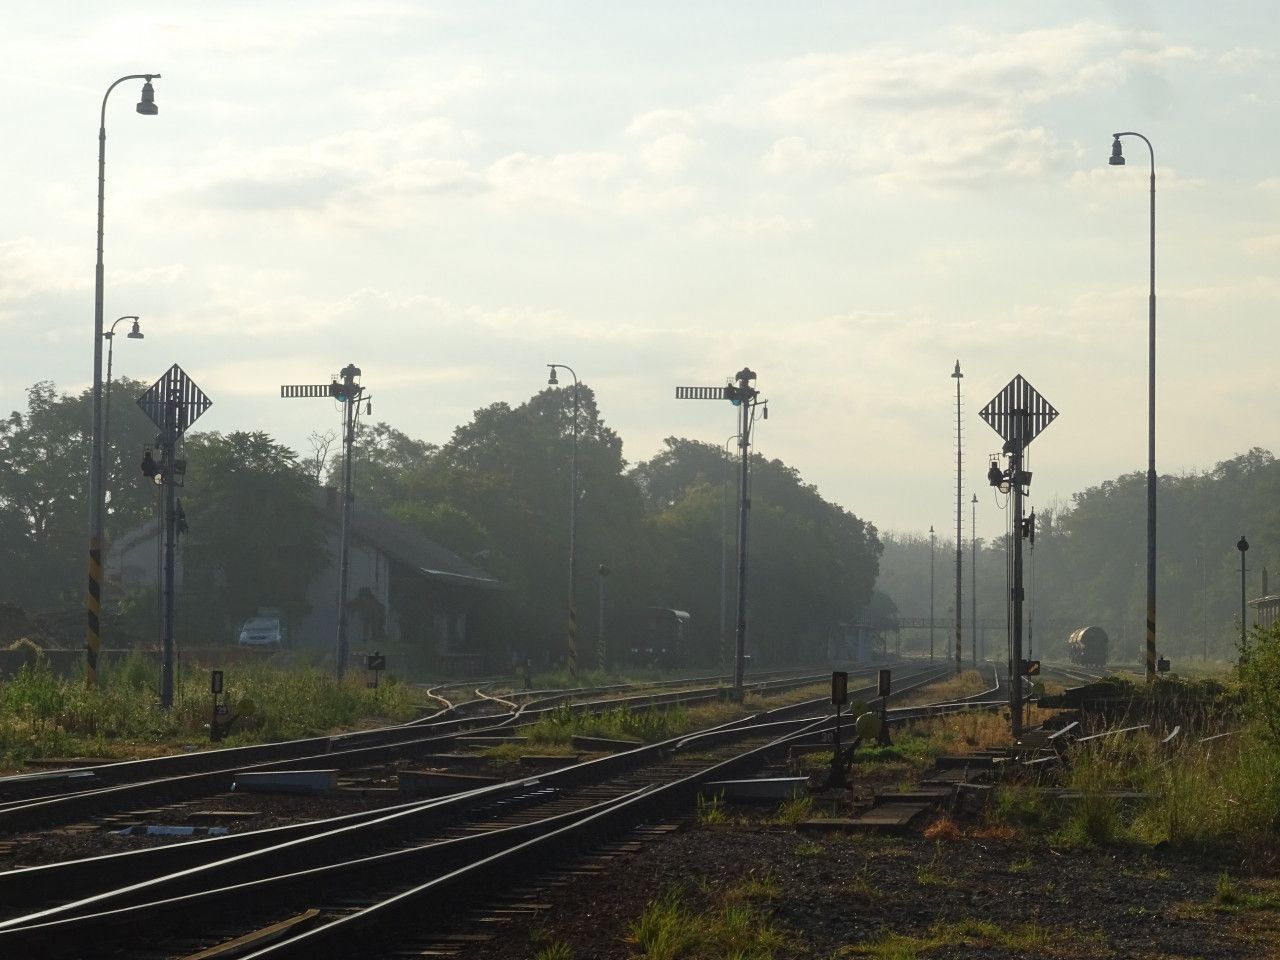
<point>261,632</point>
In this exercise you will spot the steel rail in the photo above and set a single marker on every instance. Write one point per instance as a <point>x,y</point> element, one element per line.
<point>30,884</point>
<point>63,933</point>
<point>325,847</point>
<point>439,896</point>
<point>26,813</point>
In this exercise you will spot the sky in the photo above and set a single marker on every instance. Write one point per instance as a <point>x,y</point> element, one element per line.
<point>846,197</point>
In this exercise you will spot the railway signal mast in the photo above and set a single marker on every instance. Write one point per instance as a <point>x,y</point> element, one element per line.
<point>746,398</point>
<point>957,376</point>
<point>1018,413</point>
<point>172,403</point>
<point>350,394</point>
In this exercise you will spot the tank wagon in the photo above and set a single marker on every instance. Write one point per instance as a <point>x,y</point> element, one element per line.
<point>1088,646</point>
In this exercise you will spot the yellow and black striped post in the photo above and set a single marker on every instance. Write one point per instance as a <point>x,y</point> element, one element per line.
<point>93,605</point>
<point>573,642</point>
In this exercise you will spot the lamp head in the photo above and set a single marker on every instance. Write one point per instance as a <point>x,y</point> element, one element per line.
<point>957,374</point>
<point>147,105</point>
<point>551,380</point>
<point>994,476</point>
<point>1242,545</point>
<point>1117,157</point>
<point>135,333</point>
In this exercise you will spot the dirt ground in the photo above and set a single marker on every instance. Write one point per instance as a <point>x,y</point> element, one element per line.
<point>840,894</point>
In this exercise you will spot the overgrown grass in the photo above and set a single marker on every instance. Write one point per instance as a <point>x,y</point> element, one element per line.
<point>967,683</point>
<point>1231,897</point>
<point>557,950</point>
<point>791,812</point>
<point>864,887</point>
<point>559,726</point>
<point>42,715</point>
<point>711,811</point>
<point>936,872</point>
<point>1221,793</point>
<point>1027,939</point>
<point>731,928</point>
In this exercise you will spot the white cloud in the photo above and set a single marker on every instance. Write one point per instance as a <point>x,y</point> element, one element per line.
<point>964,111</point>
<point>1263,245</point>
<point>567,179</point>
<point>794,154</point>
<point>749,225</point>
<point>668,139</point>
<point>28,269</point>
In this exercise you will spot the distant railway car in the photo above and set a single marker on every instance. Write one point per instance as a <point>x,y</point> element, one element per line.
<point>658,637</point>
<point>1088,646</point>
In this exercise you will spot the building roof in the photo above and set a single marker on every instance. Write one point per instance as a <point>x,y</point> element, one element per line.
<point>374,527</point>
<point>405,545</point>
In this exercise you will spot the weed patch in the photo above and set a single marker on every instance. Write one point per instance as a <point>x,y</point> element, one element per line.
<point>670,929</point>
<point>1025,938</point>
<point>935,872</point>
<point>1231,897</point>
<point>559,950</point>
<point>43,715</point>
<point>791,812</point>
<point>944,828</point>
<point>711,811</point>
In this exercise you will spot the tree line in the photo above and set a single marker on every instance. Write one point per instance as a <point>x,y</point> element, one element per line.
<point>1089,563</point>
<point>497,493</point>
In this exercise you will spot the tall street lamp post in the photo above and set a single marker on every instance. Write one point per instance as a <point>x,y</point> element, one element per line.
<point>1117,160</point>
<point>110,337</point>
<point>573,517</point>
<point>93,602</point>
<point>1242,545</point>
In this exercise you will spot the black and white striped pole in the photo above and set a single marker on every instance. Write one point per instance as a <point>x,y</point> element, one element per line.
<point>573,518</point>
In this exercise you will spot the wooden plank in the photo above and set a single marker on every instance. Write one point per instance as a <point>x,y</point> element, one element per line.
<point>256,938</point>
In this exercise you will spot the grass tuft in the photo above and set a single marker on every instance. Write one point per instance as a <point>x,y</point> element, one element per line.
<point>1230,897</point>
<point>711,811</point>
<point>1027,939</point>
<point>791,812</point>
<point>670,929</point>
<point>558,950</point>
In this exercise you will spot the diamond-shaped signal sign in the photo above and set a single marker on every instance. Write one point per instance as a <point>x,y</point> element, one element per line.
<point>1018,411</point>
<point>174,402</point>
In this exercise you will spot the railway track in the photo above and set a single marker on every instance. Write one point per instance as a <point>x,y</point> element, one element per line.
<point>395,858</point>
<point>29,801</point>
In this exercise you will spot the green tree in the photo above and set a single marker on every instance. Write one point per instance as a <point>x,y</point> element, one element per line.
<point>44,469</point>
<point>255,533</point>
<point>813,564</point>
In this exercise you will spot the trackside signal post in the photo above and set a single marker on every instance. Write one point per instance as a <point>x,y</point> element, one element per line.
<point>957,376</point>
<point>172,403</point>
<point>1018,413</point>
<point>346,391</point>
<point>746,398</point>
